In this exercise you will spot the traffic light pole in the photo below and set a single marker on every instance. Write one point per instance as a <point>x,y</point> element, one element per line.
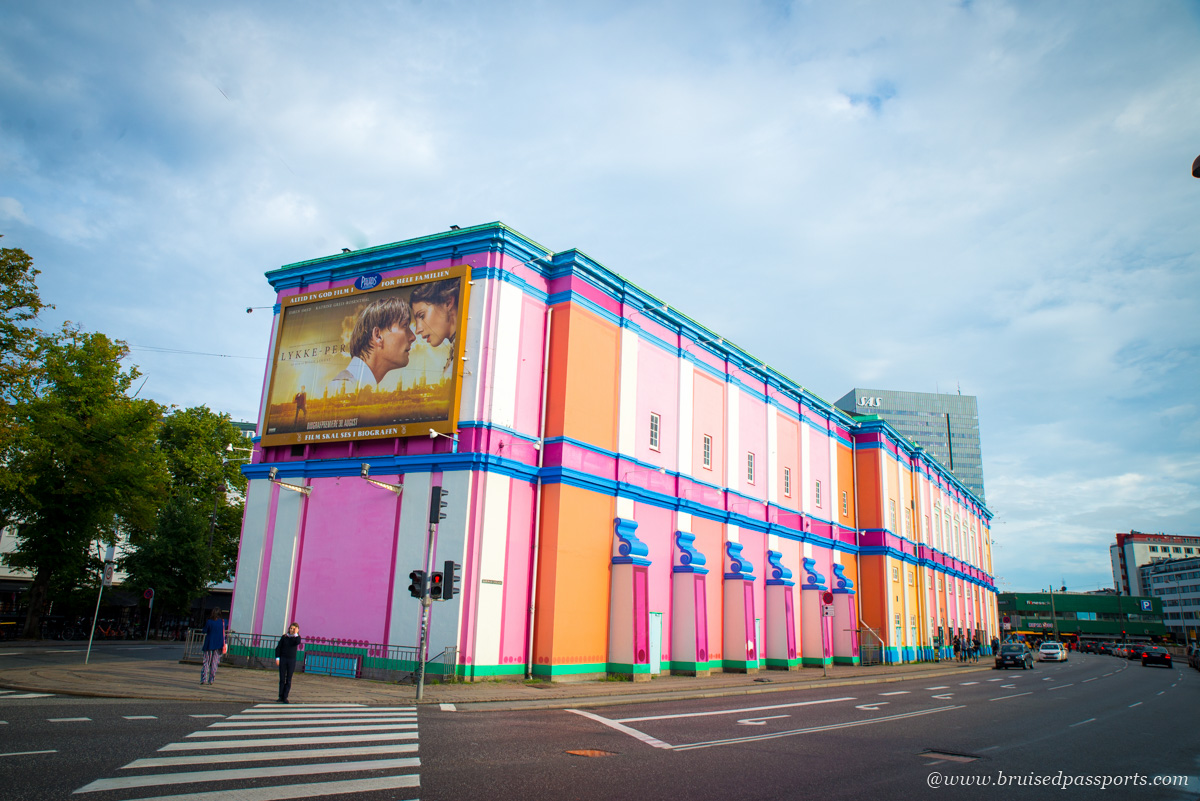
<point>426,603</point>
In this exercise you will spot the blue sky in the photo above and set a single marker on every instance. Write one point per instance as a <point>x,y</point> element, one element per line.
<point>986,195</point>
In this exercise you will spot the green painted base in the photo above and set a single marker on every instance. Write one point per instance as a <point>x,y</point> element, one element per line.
<point>738,666</point>
<point>689,668</point>
<point>782,664</point>
<point>815,661</point>
<point>846,660</point>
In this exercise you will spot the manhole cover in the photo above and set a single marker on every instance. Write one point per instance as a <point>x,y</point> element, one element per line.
<point>591,752</point>
<point>948,756</point>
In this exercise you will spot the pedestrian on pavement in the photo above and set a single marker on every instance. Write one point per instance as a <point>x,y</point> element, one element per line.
<point>995,645</point>
<point>285,659</point>
<point>957,648</point>
<point>976,647</point>
<point>214,646</point>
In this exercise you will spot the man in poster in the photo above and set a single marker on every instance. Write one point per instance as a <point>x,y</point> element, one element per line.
<point>380,343</point>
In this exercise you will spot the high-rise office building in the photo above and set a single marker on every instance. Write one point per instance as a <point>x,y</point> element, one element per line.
<point>1136,548</point>
<point>947,426</point>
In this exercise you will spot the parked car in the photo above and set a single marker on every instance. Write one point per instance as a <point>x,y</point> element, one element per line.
<point>1052,652</point>
<point>1155,655</point>
<point>1014,654</point>
<point>1193,656</point>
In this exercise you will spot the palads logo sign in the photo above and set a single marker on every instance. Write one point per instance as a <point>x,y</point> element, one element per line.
<point>381,357</point>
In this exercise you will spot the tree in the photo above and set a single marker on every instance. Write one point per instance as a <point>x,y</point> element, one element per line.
<point>20,305</point>
<point>81,460</point>
<point>193,541</point>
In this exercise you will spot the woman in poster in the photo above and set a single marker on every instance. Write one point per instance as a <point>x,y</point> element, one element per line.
<point>435,313</point>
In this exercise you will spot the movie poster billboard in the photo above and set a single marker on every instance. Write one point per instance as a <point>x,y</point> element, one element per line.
<point>379,358</point>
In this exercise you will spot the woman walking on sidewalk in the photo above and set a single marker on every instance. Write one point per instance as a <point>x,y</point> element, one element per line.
<point>285,658</point>
<point>214,646</point>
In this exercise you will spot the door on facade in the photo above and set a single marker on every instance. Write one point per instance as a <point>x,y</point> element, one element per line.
<point>655,643</point>
<point>758,657</point>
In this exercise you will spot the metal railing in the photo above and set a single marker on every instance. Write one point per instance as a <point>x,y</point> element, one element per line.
<point>375,661</point>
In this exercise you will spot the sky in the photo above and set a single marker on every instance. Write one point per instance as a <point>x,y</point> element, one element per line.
<point>992,197</point>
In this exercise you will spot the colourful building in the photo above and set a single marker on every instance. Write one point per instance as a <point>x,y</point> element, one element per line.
<point>627,492</point>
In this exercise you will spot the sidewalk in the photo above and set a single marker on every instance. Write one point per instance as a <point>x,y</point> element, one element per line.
<point>172,681</point>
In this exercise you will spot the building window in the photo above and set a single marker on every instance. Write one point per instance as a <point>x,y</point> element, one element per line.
<point>892,513</point>
<point>787,481</point>
<point>707,452</point>
<point>908,523</point>
<point>818,493</point>
<point>928,582</point>
<point>895,573</point>
<point>845,505</point>
<point>939,583</point>
<point>655,422</point>
<point>750,468</point>
<point>1153,549</point>
<point>910,579</point>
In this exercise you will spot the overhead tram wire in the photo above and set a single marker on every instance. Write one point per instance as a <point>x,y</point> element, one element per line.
<point>155,349</point>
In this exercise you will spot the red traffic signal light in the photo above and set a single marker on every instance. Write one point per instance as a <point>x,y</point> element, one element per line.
<point>435,586</point>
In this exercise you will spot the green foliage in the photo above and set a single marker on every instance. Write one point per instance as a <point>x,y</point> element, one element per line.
<point>20,359</point>
<point>193,540</point>
<point>81,459</point>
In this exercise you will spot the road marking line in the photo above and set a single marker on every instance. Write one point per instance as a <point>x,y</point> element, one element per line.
<point>27,753</point>
<point>271,741</point>
<point>1160,692</point>
<point>348,787</point>
<point>448,707</point>
<point>614,724</point>
<point>831,727</point>
<point>206,716</point>
<point>735,711</point>
<point>1108,674</point>
<point>235,774</point>
<point>995,679</point>
<point>140,717</point>
<point>1008,686</point>
<point>241,723</point>
<point>897,692</point>
<point>763,721</point>
<point>1093,678</point>
<point>311,705</point>
<point>256,756</point>
<point>317,717</point>
<point>66,720</point>
<point>872,707</point>
<point>1080,723</point>
<point>29,695</point>
<point>361,710</point>
<point>1003,697</point>
<point>6,692</point>
<point>943,687</point>
<point>945,697</point>
<point>302,730</point>
<point>1139,703</point>
<point>966,683</point>
<point>1058,687</point>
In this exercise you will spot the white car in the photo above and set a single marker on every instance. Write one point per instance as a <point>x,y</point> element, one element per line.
<point>1052,652</point>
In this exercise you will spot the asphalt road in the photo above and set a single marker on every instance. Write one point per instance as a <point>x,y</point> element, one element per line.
<point>1095,716</point>
<point>1092,718</point>
<point>51,652</point>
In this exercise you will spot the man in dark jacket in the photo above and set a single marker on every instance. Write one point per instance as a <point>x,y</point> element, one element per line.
<point>285,658</point>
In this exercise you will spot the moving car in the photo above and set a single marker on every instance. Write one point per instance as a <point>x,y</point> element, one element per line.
<point>1155,654</point>
<point>1052,652</point>
<point>1106,648</point>
<point>1135,651</point>
<point>1193,656</point>
<point>1014,654</point>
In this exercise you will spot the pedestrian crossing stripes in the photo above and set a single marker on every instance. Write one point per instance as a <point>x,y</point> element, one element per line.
<point>255,755</point>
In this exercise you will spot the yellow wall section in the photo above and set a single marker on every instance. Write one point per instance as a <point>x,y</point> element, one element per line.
<point>584,370</point>
<point>574,569</point>
<point>876,582</point>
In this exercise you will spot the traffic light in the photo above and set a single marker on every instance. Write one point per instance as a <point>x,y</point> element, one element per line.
<point>435,586</point>
<point>437,502</point>
<point>416,586</point>
<point>452,571</point>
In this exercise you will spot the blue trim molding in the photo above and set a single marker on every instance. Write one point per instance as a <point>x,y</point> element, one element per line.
<point>690,560</point>
<point>630,550</point>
